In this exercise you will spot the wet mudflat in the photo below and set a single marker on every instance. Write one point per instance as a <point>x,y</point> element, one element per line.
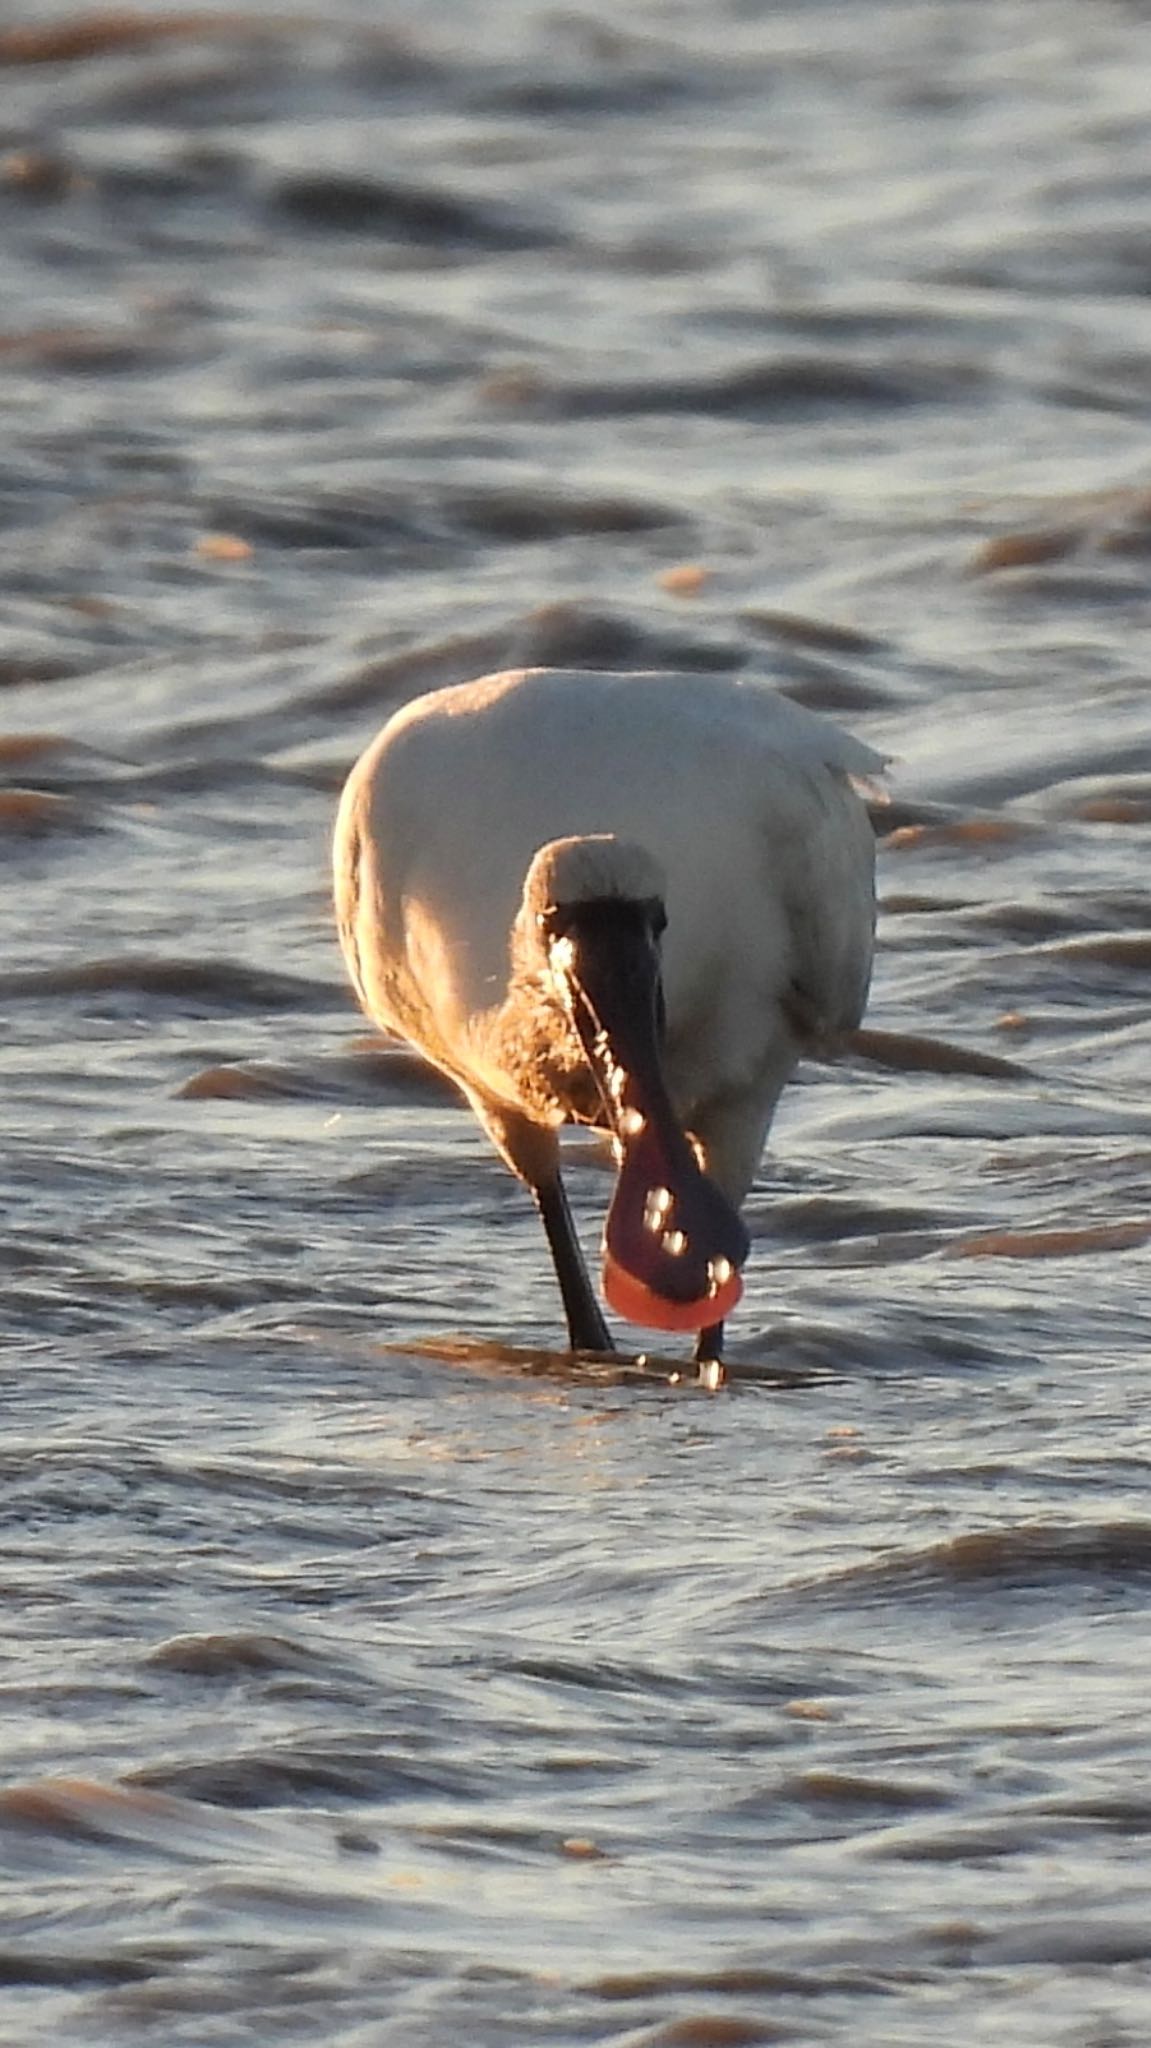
<point>370,1673</point>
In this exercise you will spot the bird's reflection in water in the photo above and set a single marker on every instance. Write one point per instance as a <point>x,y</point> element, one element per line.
<point>608,1368</point>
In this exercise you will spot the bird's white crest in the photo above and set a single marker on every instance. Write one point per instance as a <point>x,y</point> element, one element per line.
<point>588,868</point>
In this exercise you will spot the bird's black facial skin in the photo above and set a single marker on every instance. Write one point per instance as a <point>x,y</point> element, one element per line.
<point>620,917</point>
<point>669,1226</point>
<point>605,956</point>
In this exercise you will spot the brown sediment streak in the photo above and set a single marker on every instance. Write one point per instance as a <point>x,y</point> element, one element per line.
<point>776,384</point>
<point>98,34</point>
<point>1114,810</point>
<point>33,813</point>
<point>961,832</point>
<point>81,1805</point>
<point>1025,550</point>
<point>18,747</point>
<point>236,1084</point>
<point>1112,949</point>
<point>907,1052</point>
<point>388,1076</point>
<point>1022,1556</point>
<point>78,348</point>
<point>191,980</point>
<point>1066,1243</point>
<point>83,1809</point>
<point>829,635</point>
<point>230,1656</point>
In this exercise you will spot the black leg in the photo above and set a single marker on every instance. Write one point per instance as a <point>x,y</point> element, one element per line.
<point>709,1346</point>
<point>587,1329</point>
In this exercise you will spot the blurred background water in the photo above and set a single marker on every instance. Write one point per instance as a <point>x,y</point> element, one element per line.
<point>369,1674</point>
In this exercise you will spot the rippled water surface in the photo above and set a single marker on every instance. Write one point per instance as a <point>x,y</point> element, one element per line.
<point>369,1673</point>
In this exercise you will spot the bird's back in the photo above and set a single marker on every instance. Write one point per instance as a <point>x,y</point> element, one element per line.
<point>743,797</point>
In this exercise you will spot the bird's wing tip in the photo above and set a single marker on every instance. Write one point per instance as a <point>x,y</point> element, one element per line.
<point>870,787</point>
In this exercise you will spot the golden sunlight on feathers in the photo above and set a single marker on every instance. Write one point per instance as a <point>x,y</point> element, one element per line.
<point>631,900</point>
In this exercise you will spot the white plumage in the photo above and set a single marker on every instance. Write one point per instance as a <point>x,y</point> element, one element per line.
<point>724,801</point>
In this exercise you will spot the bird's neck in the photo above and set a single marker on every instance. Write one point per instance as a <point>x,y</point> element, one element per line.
<point>529,1048</point>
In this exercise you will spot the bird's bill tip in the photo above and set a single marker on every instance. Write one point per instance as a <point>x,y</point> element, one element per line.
<point>636,1302</point>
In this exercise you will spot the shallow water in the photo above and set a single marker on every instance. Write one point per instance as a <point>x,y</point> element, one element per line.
<point>371,1674</point>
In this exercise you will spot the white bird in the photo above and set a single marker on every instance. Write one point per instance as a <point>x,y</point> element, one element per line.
<point>631,900</point>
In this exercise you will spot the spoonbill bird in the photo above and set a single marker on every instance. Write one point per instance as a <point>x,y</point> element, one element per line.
<point>629,900</point>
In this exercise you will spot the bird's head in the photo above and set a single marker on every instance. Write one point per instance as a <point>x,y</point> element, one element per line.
<point>673,1245</point>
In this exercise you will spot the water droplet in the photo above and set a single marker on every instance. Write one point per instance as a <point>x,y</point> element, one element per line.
<point>657,1208</point>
